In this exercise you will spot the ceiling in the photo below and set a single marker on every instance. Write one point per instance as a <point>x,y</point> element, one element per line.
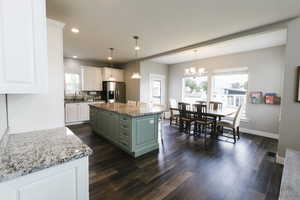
<point>242,44</point>
<point>162,25</point>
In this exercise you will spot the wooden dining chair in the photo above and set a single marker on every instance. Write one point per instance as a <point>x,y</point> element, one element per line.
<point>232,124</point>
<point>215,105</point>
<point>174,113</point>
<point>202,121</point>
<point>185,118</point>
<point>129,102</point>
<point>174,116</point>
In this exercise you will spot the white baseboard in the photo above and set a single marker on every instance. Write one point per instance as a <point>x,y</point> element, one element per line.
<point>260,133</point>
<point>279,159</point>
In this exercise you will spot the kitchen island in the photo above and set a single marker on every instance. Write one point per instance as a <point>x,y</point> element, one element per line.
<point>133,128</point>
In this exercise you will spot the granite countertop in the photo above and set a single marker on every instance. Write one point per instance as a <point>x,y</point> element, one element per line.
<point>25,153</point>
<point>132,110</point>
<point>83,101</point>
<point>291,176</point>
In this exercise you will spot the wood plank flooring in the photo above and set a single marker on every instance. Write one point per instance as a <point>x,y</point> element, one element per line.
<point>183,170</point>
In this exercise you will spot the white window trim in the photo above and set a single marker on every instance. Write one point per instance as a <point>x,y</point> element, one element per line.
<point>220,71</point>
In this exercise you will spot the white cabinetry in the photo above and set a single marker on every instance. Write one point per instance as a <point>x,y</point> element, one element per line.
<point>91,78</point>
<point>78,112</point>
<point>67,181</point>
<point>72,112</point>
<point>112,74</point>
<point>23,47</point>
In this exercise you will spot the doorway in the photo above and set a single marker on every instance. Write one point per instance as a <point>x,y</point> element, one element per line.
<point>157,88</point>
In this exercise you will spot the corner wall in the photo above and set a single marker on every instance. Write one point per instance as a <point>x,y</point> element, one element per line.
<point>289,130</point>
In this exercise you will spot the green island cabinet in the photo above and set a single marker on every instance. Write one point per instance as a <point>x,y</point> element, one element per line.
<point>135,135</point>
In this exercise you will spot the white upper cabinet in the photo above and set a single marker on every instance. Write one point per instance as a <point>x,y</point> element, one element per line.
<point>112,74</point>
<point>23,47</point>
<point>91,78</point>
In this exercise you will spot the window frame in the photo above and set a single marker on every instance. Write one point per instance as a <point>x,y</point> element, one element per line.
<point>183,86</point>
<point>210,81</point>
<point>77,85</point>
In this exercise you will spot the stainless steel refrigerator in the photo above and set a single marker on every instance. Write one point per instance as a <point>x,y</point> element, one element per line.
<point>114,91</point>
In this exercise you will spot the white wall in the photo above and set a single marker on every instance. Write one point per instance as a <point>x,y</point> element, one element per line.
<point>265,68</point>
<point>2,115</point>
<point>289,131</point>
<point>132,85</point>
<point>34,112</point>
<point>146,69</point>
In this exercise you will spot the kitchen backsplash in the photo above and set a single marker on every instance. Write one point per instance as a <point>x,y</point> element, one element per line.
<point>85,95</point>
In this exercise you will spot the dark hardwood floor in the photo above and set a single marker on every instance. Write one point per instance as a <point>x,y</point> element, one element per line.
<point>182,169</point>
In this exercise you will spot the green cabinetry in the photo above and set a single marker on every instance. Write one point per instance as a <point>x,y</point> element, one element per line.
<point>136,135</point>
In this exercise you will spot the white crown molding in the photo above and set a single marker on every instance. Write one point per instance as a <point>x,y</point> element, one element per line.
<point>55,23</point>
<point>260,133</point>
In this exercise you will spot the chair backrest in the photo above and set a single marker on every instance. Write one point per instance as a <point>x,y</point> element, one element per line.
<point>201,111</point>
<point>131,102</point>
<point>173,103</point>
<point>183,108</point>
<point>237,117</point>
<point>214,105</point>
<point>200,108</point>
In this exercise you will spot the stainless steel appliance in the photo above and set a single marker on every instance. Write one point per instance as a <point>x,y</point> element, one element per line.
<point>114,91</point>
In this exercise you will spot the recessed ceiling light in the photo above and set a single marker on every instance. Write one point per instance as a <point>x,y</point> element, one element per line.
<point>74,56</point>
<point>75,30</point>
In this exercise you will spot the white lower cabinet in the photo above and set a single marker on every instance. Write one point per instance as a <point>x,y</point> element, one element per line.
<point>78,112</point>
<point>72,112</point>
<point>68,181</point>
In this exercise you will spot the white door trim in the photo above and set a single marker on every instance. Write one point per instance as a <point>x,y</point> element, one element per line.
<point>163,88</point>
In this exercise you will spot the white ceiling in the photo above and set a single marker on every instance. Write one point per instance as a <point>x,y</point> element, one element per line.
<point>242,44</point>
<point>163,25</point>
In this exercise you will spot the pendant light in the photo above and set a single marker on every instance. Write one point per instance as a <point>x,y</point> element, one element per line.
<point>136,75</point>
<point>110,58</point>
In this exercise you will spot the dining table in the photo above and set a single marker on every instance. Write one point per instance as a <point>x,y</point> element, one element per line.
<point>215,114</point>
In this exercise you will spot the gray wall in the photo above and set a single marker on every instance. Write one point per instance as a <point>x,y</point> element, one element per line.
<point>265,68</point>
<point>147,68</point>
<point>290,124</point>
<point>132,85</point>
<point>2,115</point>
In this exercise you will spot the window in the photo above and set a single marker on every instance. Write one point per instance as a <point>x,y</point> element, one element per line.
<point>72,83</point>
<point>230,88</point>
<point>195,89</point>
